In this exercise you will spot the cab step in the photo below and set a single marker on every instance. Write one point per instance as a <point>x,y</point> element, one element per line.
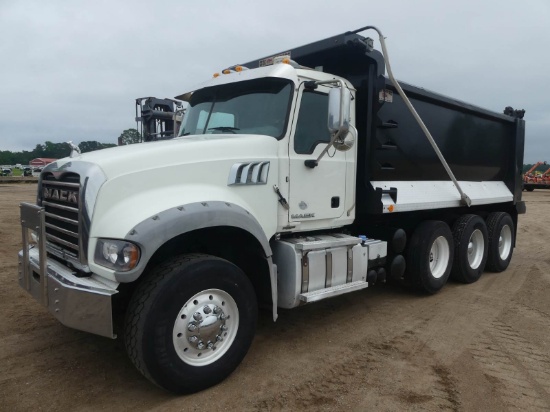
<point>333,291</point>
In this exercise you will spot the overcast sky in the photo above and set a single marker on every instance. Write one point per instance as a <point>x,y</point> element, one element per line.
<point>70,70</point>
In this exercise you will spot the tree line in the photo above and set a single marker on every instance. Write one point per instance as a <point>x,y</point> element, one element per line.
<point>128,136</point>
<point>59,150</point>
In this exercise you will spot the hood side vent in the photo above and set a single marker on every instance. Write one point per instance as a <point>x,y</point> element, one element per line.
<point>251,173</point>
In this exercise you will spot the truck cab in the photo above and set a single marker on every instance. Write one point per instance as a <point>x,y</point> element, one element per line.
<point>275,101</point>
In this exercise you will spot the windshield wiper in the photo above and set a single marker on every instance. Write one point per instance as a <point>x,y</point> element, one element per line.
<point>224,129</point>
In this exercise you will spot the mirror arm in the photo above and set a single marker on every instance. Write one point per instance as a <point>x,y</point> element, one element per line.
<point>313,163</point>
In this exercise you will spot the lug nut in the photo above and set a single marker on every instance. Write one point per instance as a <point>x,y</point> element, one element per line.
<point>207,309</point>
<point>217,310</point>
<point>218,338</point>
<point>191,327</point>
<point>222,316</point>
<point>200,345</point>
<point>210,345</point>
<point>197,316</point>
<point>193,339</point>
<point>223,327</point>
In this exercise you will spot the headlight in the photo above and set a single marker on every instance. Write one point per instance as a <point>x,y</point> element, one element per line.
<point>116,254</point>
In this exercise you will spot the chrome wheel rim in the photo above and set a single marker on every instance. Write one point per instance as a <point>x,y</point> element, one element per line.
<point>505,242</point>
<point>205,327</point>
<point>476,249</point>
<point>439,257</point>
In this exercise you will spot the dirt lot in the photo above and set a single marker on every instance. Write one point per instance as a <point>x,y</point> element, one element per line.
<point>484,346</point>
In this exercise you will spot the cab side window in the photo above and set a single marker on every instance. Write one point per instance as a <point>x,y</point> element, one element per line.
<point>311,128</point>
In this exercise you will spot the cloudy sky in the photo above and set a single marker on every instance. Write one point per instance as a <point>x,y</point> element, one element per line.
<point>70,70</point>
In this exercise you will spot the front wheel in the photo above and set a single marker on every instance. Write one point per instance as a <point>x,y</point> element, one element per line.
<point>429,256</point>
<point>191,322</point>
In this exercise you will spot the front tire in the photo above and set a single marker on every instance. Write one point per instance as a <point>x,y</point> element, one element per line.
<point>470,251</point>
<point>429,256</point>
<point>501,241</point>
<point>191,322</point>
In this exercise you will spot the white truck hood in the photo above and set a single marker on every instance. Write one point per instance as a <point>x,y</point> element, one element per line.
<point>133,158</point>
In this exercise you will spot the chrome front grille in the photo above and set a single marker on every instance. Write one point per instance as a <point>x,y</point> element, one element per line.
<point>60,199</point>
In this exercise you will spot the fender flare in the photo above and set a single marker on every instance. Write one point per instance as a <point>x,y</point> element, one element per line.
<point>156,230</point>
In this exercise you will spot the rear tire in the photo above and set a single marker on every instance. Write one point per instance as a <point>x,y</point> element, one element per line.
<point>191,322</point>
<point>429,256</point>
<point>470,250</point>
<point>501,232</point>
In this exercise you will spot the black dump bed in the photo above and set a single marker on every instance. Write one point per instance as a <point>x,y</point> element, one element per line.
<point>478,144</point>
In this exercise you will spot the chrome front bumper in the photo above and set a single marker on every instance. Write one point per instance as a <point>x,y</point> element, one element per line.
<point>83,303</point>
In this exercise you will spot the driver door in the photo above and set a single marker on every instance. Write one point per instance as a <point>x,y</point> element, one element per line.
<point>315,193</point>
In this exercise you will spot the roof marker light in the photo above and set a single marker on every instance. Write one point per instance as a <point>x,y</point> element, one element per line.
<point>216,75</point>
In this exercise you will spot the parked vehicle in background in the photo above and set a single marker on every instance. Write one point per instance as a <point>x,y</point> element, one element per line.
<point>259,203</point>
<point>535,180</point>
<point>6,171</point>
<point>158,119</point>
<point>27,171</point>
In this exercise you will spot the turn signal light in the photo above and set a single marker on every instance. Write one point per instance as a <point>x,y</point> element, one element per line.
<point>216,75</point>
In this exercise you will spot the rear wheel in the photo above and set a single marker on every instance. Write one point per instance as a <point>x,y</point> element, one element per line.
<point>501,241</point>
<point>429,257</point>
<point>190,322</point>
<point>470,248</point>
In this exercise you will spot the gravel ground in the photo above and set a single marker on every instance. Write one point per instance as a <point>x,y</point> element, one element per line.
<point>484,346</point>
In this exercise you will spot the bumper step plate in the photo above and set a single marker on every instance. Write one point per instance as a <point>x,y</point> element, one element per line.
<point>333,291</point>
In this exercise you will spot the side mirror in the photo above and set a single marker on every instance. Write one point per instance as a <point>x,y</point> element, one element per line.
<point>339,103</point>
<point>339,119</point>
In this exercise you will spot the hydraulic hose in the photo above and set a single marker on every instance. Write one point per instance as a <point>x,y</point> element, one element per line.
<point>464,197</point>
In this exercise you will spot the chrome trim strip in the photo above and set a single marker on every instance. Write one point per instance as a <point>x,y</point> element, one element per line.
<point>244,174</point>
<point>305,273</point>
<point>56,183</point>
<point>328,263</point>
<point>349,276</point>
<point>64,219</point>
<point>62,207</point>
<point>63,242</point>
<point>60,229</point>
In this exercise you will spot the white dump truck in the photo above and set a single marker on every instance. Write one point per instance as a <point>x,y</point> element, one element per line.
<point>297,177</point>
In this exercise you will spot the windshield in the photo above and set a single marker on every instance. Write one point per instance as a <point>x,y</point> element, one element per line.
<point>257,106</point>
